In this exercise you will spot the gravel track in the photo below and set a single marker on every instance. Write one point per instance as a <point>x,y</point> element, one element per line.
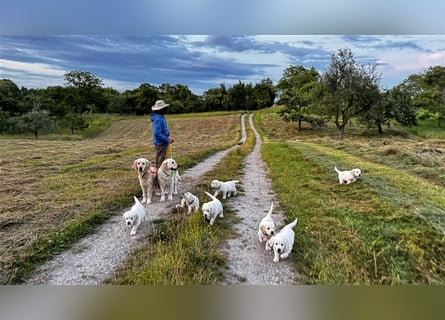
<point>94,258</point>
<point>248,262</point>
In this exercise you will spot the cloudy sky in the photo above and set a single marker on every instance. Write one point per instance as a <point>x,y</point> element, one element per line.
<point>205,61</point>
<point>130,42</point>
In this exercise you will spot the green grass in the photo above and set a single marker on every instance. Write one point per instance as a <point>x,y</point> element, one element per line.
<point>387,228</point>
<point>429,129</point>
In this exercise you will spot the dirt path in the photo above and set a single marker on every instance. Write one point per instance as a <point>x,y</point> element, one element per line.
<point>248,262</point>
<point>95,257</point>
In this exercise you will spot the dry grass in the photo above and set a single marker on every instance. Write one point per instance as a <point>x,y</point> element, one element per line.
<point>49,186</point>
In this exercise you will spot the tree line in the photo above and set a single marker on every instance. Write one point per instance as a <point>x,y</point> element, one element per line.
<point>345,90</point>
<point>41,110</point>
<point>349,90</point>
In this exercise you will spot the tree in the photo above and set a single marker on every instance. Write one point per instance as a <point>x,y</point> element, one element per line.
<point>114,100</point>
<point>264,94</point>
<point>88,89</point>
<point>4,121</point>
<point>214,98</point>
<point>180,98</point>
<point>237,97</point>
<point>297,88</point>
<point>432,95</point>
<point>73,119</point>
<point>36,121</point>
<point>37,98</point>
<point>82,79</point>
<point>146,95</point>
<point>349,88</point>
<point>9,96</point>
<point>400,104</point>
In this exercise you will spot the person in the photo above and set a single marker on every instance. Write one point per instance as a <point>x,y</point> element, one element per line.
<point>161,134</point>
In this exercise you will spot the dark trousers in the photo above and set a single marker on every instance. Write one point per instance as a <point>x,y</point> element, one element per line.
<point>161,151</point>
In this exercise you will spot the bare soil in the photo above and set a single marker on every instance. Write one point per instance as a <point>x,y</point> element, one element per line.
<point>94,258</point>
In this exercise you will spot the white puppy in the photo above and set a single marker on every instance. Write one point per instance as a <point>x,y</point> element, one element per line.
<point>227,188</point>
<point>348,176</point>
<point>266,228</point>
<point>189,203</point>
<point>165,177</point>
<point>282,242</point>
<point>211,210</point>
<point>146,176</point>
<point>134,217</point>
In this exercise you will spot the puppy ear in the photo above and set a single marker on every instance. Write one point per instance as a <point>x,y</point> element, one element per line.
<point>263,229</point>
<point>135,164</point>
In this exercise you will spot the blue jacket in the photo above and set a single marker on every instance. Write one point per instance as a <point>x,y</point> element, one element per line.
<point>160,130</point>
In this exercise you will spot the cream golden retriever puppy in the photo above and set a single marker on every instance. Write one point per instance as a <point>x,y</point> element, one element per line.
<point>189,203</point>
<point>165,178</point>
<point>134,217</point>
<point>146,176</point>
<point>211,210</point>
<point>282,242</point>
<point>227,188</point>
<point>348,176</point>
<point>266,228</point>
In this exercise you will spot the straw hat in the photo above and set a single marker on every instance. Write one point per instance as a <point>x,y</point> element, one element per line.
<point>160,104</point>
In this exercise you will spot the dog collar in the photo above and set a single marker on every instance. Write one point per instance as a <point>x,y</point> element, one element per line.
<point>146,173</point>
<point>191,202</point>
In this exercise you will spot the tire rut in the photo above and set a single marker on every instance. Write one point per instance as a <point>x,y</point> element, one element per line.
<point>248,262</point>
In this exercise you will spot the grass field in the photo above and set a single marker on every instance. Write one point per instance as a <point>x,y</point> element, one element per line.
<point>387,228</point>
<point>53,192</point>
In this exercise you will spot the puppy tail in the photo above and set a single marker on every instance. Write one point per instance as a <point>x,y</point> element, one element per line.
<point>293,224</point>
<point>269,214</point>
<point>211,195</point>
<point>136,200</point>
<point>336,170</point>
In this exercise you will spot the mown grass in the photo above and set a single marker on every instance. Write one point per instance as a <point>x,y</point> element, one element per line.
<point>54,192</point>
<point>387,228</point>
<point>186,249</point>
